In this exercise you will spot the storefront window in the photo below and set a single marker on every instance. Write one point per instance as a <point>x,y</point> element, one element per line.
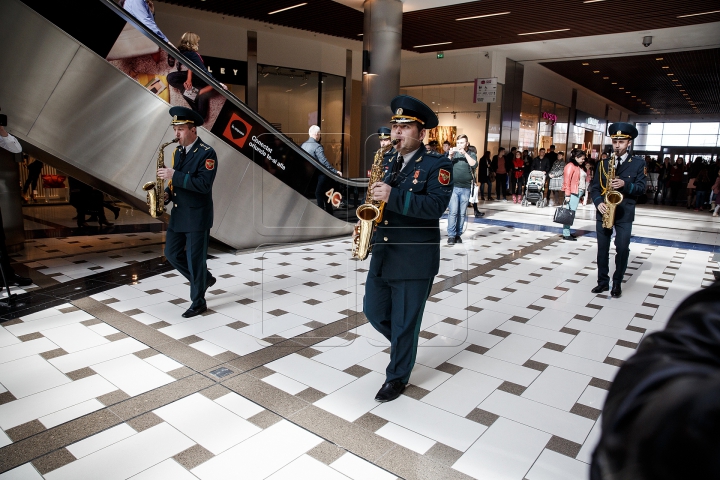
<point>494,122</point>
<point>560,130</point>
<point>331,123</point>
<point>654,136</point>
<point>546,123</point>
<point>529,118</point>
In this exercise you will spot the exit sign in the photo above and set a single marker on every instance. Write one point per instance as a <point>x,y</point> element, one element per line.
<point>441,55</point>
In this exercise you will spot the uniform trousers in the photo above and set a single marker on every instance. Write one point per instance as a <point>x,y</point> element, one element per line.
<point>622,252</point>
<point>395,309</point>
<point>187,252</point>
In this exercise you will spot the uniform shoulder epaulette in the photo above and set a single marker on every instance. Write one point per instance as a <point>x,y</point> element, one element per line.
<point>206,147</point>
<point>433,154</point>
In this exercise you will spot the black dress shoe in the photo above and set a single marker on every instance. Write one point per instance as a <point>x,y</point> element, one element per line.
<point>600,289</point>
<point>616,292</point>
<point>458,239</point>
<point>451,241</point>
<point>193,312</point>
<point>16,280</point>
<point>570,238</point>
<point>390,391</point>
<point>211,281</point>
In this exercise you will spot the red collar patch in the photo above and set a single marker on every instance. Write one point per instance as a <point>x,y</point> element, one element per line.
<point>444,177</point>
<point>210,164</point>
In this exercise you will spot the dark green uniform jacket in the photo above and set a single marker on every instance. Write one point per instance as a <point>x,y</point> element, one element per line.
<point>632,171</point>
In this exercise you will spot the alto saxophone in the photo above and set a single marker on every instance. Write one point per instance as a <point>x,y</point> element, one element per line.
<point>612,197</point>
<point>156,190</point>
<point>370,212</point>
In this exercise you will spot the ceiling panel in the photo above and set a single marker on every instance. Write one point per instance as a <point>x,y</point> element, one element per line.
<point>666,84</point>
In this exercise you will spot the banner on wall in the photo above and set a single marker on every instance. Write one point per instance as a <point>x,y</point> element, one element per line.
<point>485,90</point>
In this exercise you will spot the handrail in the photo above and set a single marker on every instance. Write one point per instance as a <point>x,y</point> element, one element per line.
<point>179,57</point>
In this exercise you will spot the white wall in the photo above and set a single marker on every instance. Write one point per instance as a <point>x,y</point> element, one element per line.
<point>456,67</point>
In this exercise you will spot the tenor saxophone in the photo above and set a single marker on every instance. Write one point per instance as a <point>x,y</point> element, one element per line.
<point>156,190</point>
<point>370,212</point>
<point>612,197</point>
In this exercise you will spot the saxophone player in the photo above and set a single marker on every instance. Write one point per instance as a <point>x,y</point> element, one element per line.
<point>384,135</point>
<point>416,190</point>
<point>194,166</point>
<point>630,177</point>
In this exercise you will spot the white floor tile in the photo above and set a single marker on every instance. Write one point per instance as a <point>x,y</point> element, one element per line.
<point>102,353</point>
<point>589,345</point>
<point>71,413</point>
<point>286,384</point>
<point>495,368</point>
<point>30,375</point>
<point>349,354</point>
<point>315,374</point>
<point>622,353</point>
<point>4,439</point>
<point>208,348</point>
<point>23,472</point>
<point>49,322</point>
<point>515,349</point>
<point>103,329</point>
<point>207,423</point>
<point>439,425</point>
<point>25,349</point>
<point>539,333</point>
<point>260,455</point>
<point>557,387</point>
<point>505,452</point>
<point>537,415</point>
<point>585,454</point>
<point>163,362</point>
<point>167,470</point>
<point>126,457</point>
<point>101,440</point>
<point>233,340</point>
<point>551,319</point>
<point>555,466</point>
<point>593,397</point>
<point>74,337</point>
<point>35,406</point>
<point>616,333</point>
<point>359,469</point>
<point>438,350</point>
<point>132,375</point>
<point>462,392</point>
<point>307,468</point>
<point>239,405</point>
<point>576,364</point>
<point>196,325</point>
<point>427,378</point>
<point>406,438</point>
<point>7,338</point>
<point>354,399</point>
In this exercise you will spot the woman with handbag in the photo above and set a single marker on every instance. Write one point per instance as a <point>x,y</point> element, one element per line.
<point>574,181</point>
<point>474,185</point>
<point>556,178</point>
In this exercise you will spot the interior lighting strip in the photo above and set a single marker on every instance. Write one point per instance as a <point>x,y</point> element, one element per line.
<point>545,31</point>
<point>483,16</point>
<point>432,44</point>
<point>288,8</point>
<point>696,14</point>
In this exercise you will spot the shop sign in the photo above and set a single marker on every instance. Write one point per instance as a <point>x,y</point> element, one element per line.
<point>550,117</point>
<point>225,70</point>
<point>485,90</point>
<point>585,120</point>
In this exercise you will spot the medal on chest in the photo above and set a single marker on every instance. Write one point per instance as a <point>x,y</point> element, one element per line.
<point>415,179</point>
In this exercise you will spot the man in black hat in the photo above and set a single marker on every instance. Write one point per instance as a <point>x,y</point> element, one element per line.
<point>406,246</point>
<point>194,166</point>
<point>384,136</point>
<point>630,177</point>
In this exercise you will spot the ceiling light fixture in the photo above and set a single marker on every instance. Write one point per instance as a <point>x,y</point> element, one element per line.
<point>482,16</point>
<point>585,63</point>
<point>360,34</point>
<point>606,78</point>
<point>432,44</point>
<point>596,71</point>
<point>696,14</point>
<point>614,83</point>
<point>682,90</point>
<point>593,1</point>
<point>670,74</point>
<point>288,8</point>
<point>633,96</point>
<point>621,88</point>
<point>666,67</point>
<point>545,31</point>
<point>659,58</point>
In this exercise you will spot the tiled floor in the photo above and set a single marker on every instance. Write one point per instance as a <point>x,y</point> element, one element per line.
<point>277,380</point>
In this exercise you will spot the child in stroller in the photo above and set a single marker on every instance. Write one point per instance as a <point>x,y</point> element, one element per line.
<point>535,189</point>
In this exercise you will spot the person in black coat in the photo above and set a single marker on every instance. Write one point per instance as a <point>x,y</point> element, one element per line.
<point>193,171</point>
<point>34,170</point>
<point>501,166</point>
<point>484,171</point>
<point>661,417</point>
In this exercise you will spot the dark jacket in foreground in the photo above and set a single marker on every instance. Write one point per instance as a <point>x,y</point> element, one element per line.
<point>191,197</point>
<point>661,419</point>
<point>406,244</point>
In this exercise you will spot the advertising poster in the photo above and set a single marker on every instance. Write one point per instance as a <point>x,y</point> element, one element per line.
<point>485,90</point>
<point>441,134</point>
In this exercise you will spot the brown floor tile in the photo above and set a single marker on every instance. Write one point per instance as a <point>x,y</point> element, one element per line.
<point>226,356</point>
<point>443,454</point>
<point>274,339</point>
<point>570,331</point>
<point>410,465</point>
<point>178,301</point>
<point>132,312</point>
<point>191,339</point>
<point>627,344</point>
<point>30,336</point>
<point>371,422</point>
<point>482,417</point>
<point>613,361</point>
<point>113,397</point>
<point>600,383</point>
<point>81,373</point>
<point>6,397</point>
<point>261,372</point>
<point>310,395</point>
<point>348,336</point>
<point>90,323</point>
<point>448,368</point>
<point>312,301</point>
<point>554,346</point>
<point>193,456</point>
<point>265,394</point>
<point>236,325</point>
<point>515,318</point>
<point>14,321</point>
<point>500,333</point>
<point>68,309</point>
<point>513,388</point>
<point>265,419</point>
<point>585,411</point>
<point>53,461</point>
<point>326,452</point>
<point>357,371</point>
<point>148,352</point>
<point>108,301</point>
<point>415,392</point>
<point>427,335</point>
<point>58,352</point>
<point>180,372</point>
<point>314,324</point>
<point>159,325</point>
<point>535,365</point>
<point>563,446</point>
<point>309,352</point>
<point>145,421</point>
<point>214,392</point>
<point>477,349</point>
<point>116,336</point>
<point>25,430</point>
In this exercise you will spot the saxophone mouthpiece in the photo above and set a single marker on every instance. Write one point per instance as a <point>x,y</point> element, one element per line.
<point>395,142</point>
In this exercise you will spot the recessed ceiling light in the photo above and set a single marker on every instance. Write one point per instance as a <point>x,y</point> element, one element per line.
<point>614,83</point>
<point>544,31</point>
<point>596,71</point>
<point>633,96</point>
<point>628,92</point>
<point>606,78</point>
<point>585,63</point>
<point>696,14</point>
<point>359,34</point>
<point>482,16</point>
<point>666,66</point>
<point>621,88</point>
<point>682,90</point>
<point>670,74</point>
<point>432,44</point>
<point>675,80</point>
<point>659,58</point>
<point>288,8</point>
<point>593,1</point>
<point>678,85</point>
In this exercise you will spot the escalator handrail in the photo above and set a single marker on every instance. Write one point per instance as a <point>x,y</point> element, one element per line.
<point>172,50</point>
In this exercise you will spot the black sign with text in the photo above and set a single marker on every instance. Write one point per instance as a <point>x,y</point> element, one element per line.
<point>225,70</point>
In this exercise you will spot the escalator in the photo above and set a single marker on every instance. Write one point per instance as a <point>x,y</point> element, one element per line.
<point>79,112</point>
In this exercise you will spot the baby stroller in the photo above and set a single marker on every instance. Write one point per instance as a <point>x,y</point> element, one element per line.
<point>535,189</point>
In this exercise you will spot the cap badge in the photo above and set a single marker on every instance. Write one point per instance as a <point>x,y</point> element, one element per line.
<point>174,118</point>
<point>399,111</point>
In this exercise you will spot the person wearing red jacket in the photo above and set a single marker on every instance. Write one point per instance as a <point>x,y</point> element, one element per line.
<point>517,181</point>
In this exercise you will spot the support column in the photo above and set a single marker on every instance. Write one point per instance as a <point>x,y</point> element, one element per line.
<point>251,89</point>
<point>347,111</point>
<point>10,202</point>
<point>382,37</point>
<point>511,104</point>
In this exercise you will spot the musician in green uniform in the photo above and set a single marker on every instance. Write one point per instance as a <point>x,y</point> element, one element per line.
<point>416,190</point>
<point>630,178</point>
<point>194,166</point>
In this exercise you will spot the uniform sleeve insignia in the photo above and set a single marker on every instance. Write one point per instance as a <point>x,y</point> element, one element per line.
<point>444,177</point>
<point>210,164</point>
